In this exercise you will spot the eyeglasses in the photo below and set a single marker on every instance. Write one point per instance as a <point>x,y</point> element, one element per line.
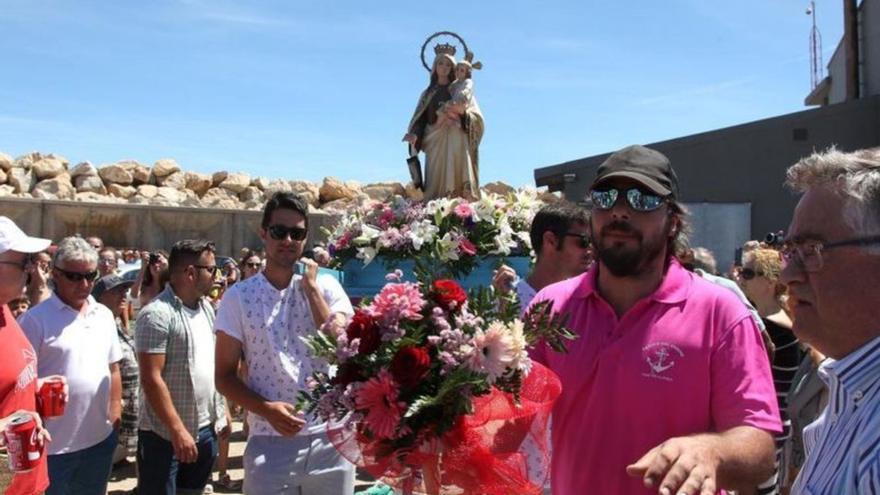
<point>79,276</point>
<point>212,269</point>
<point>748,273</point>
<point>104,261</point>
<point>638,200</point>
<point>280,232</point>
<point>584,239</point>
<point>808,254</point>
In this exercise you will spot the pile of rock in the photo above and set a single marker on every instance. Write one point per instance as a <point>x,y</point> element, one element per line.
<point>49,176</point>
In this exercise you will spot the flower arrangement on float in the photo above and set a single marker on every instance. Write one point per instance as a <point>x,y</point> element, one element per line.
<point>434,391</point>
<point>455,232</point>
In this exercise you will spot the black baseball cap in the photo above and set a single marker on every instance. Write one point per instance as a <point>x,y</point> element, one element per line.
<point>109,282</point>
<point>643,165</point>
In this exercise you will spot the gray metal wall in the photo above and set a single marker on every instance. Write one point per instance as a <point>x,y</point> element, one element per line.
<point>745,164</point>
<point>144,226</point>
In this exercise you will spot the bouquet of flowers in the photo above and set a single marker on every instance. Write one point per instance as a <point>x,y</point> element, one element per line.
<point>434,391</point>
<point>455,232</point>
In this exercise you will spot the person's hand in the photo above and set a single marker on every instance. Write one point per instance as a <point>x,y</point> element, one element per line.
<point>185,449</point>
<point>39,274</point>
<point>65,392</point>
<point>682,465</point>
<point>503,279</point>
<point>410,138</point>
<point>283,417</point>
<point>309,273</point>
<point>43,436</point>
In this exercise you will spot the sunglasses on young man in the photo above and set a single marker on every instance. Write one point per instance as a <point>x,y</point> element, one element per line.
<point>637,199</point>
<point>584,239</point>
<point>280,232</point>
<point>78,276</point>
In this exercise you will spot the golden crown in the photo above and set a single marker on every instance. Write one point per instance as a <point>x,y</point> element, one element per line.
<point>444,49</point>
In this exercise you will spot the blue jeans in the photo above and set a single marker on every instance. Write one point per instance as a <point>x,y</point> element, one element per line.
<point>84,472</point>
<point>160,473</point>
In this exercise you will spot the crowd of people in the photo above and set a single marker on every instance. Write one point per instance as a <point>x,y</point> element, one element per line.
<point>763,379</point>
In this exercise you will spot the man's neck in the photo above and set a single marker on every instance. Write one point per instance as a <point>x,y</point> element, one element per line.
<point>622,293</point>
<point>187,295</point>
<point>277,275</point>
<point>767,308</point>
<point>76,306</point>
<point>546,272</point>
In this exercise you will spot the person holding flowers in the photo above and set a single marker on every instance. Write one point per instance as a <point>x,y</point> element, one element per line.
<point>668,387</point>
<point>261,320</point>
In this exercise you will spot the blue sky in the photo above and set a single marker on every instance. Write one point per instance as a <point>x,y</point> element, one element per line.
<point>302,90</point>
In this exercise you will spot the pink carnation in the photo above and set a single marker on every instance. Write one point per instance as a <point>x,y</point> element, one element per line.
<point>464,210</point>
<point>398,301</point>
<point>378,397</point>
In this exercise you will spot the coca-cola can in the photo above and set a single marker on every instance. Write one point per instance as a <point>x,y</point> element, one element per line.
<point>52,398</point>
<point>21,443</point>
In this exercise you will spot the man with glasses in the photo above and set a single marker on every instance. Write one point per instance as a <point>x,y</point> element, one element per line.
<point>18,362</point>
<point>831,263</point>
<point>180,412</point>
<point>107,262</point>
<point>75,337</point>
<point>668,388</point>
<point>260,321</point>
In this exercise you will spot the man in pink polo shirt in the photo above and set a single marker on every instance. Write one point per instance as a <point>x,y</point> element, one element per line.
<point>668,388</point>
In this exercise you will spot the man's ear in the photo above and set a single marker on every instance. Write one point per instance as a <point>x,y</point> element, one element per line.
<point>549,238</point>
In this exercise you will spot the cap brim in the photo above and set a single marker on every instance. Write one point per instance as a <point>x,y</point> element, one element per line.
<point>648,182</point>
<point>30,245</point>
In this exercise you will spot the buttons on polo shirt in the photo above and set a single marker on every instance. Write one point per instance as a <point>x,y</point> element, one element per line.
<point>858,395</point>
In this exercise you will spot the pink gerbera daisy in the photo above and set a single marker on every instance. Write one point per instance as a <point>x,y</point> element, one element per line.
<point>493,351</point>
<point>378,398</point>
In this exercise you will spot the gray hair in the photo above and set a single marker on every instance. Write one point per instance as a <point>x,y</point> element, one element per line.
<point>855,177</point>
<point>74,248</point>
<point>705,260</point>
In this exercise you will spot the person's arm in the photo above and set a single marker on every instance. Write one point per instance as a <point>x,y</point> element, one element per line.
<point>159,398</point>
<point>320,308</point>
<point>737,459</point>
<point>135,290</point>
<point>115,395</point>
<point>281,416</point>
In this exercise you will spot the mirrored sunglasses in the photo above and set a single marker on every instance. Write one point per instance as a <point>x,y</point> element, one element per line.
<point>638,200</point>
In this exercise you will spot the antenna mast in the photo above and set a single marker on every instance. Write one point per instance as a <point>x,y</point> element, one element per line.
<point>817,67</point>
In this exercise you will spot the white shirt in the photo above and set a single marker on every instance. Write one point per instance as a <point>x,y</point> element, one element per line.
<point>524,294</point>
<point>203,374</point>
<point>80,346</point>
<point>269,324</point>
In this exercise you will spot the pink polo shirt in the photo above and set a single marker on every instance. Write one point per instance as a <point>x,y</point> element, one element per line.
<point>687,359</point>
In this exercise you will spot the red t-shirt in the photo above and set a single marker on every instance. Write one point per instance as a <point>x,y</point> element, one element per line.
<point>18,390</point>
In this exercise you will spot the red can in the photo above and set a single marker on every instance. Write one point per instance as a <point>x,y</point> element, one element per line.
<point>21,443</point>
<point>52,398</point>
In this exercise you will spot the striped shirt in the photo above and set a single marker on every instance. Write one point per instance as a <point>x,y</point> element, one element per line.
<point>843,445</point>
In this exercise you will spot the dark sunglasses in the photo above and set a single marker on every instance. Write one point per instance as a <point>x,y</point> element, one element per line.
<point>748,274</point>
<point>212,269</point>
<point>280,232</point>
<point>78,276</point>
<point>584,239</point>
<point>638,200</point>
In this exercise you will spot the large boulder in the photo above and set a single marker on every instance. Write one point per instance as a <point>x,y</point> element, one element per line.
<point>2,176</point>
<point>141,175</point>
<point>218,197</point>
<point>137,199</point>
<point>165,166</point>
<point>199,183</point>
<point>383,190</point>
<point>89,183</point>
<point>120,191</point>
<point>92,197</point>
<point>277,185</point>
<point>172,194</point>
<point>251,194</point>
<point>27,161</point>
<point>308,190</point>
<point>236,183</point>
<point>48,167</point>
<point>5,161</point>
<point>147,191</point>
<point>83,168</point>
<point>176,180</point>
<point>333,189</point>
<point>218,177</point>
<point>260,183</point>
<point>22,179</point>
<point>414,193</point>
<point>130,165</point>
<point>192,202</point>
<point>499,188</point>
<point>115,174</point>
<point>339,205</point>
<point>6,190</point>
<point>55,188</point>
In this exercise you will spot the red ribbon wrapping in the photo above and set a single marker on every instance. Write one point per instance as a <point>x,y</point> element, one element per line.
<point>481,455</point>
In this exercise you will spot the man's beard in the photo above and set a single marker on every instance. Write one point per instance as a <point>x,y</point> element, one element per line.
<point>624,261</point>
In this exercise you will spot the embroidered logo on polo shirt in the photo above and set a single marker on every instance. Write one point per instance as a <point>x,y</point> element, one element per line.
<point>29,372</point>
<point>660,357</point>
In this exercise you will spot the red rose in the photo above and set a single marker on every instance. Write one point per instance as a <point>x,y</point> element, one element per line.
<point>346,374</point>
<point>409,365</point>
<point>467,247</point>
<point>449,294</point>
<point>364,327</point>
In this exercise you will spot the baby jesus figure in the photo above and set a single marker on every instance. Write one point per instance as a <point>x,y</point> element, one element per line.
<point>461,92</point>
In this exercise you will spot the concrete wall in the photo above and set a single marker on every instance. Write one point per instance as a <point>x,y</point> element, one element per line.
<point>744,164</point>
<point>144,226</point>
<point>869,19</point>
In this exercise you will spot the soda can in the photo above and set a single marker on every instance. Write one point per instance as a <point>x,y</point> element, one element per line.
<point>52,398</point>
<point>21,443</point>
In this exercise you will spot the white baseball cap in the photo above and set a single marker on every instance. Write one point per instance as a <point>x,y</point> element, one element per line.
<point>13,238</point>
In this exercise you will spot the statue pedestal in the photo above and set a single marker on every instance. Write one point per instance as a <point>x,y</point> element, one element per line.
<point>366,281</point>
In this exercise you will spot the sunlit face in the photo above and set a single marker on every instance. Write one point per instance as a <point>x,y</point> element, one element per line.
<point>571,255</point>
<point>287,251</point>
<point>12,275</point>
<point>19,307</point>
<point>75,292</point>
<point>115,300</point>
<point>107,263</point>
<point>252,265</point>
